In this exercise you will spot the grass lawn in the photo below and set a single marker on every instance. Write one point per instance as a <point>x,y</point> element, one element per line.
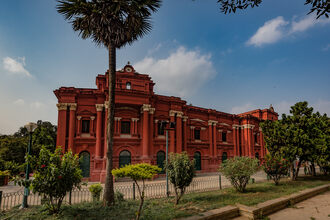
<point>191,204</point>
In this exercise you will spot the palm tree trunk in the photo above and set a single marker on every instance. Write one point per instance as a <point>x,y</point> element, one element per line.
<point>108,197</point>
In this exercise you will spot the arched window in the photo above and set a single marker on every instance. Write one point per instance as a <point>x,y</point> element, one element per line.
<point>128,85</point>
<point>160,160</point>
<point>124,158</point>
<point>198,160</point>
<point>84,163</point>
<point>224,156</point>
<point>257,155</point>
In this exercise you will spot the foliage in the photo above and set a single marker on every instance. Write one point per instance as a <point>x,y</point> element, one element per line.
<point>275,167</point>
<point>322,7</point>
<point>136,172</point>
<point>164,208</point>
<point>181,171</point>
<point>112,24</point>
<point>14,168</point>
<point>54,176</point>
<point>96,190</point>
<point>302,136</point>
<point>239,170</point>
<point>4,173</point>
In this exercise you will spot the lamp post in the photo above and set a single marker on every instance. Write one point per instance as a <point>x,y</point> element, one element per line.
<point>172,126</point>
<point>30,128</point>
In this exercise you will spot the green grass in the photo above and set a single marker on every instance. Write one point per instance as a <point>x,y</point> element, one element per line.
<point>191,204</point>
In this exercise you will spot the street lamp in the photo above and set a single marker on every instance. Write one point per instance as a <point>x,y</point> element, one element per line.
<point>171,127</point>
<point>30,128</point>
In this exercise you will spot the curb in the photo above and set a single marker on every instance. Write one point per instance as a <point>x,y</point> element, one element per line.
<point>262,209</point>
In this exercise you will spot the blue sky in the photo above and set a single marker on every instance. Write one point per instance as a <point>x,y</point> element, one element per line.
<point>273,54</point>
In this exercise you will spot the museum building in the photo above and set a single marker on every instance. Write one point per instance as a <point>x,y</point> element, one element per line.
<point>207,135</point>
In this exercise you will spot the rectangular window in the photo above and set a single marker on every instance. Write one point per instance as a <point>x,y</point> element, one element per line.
<point>197,134</point>
<point>256,138</point>
<point>224,136</point>
<point>125,127</point>
<point>85,126</point>
<point>160,128</point>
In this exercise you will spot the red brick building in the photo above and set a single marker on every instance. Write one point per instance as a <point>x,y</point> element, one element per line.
<point>207,135</point>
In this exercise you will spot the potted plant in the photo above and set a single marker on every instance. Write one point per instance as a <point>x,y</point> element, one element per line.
<point>96,190</point>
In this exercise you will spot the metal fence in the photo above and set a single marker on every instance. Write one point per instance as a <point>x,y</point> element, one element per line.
<point>130,191</point>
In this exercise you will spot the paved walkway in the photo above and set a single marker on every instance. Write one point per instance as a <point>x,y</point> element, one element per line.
<point>315,208</point>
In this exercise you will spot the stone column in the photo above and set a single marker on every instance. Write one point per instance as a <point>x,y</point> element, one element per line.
<point>61,124</point>
<point>184,119</point>
<point>235,141</point>
<point>151,131</point>
<point>106,105</point>
<point>210,138</point>
<point>171,132</point>
<point>92,125</point>
<point>78,126</point>
<point>145,129</point>
<point>179,132</point>
<point>117,126</point>
<point>215,139</point>
<point>134,126</point>
<point>156,128</point>
<point>73,107</point>
<point>99,109</point>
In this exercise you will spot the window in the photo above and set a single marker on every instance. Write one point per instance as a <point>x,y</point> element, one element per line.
<point>197,134</point>
<point>224,136</point>
<point>124,158</point>
<point>160,160</point>
<point>85,126</point>
<point>160,128</point>
<point>128,85</point>
<point>224,156</point>
<point>256,138</point>
<point>125,127</point>
<point>198,161</point>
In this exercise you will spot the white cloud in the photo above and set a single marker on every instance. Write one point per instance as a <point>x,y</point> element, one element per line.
<point>182,73</point>
<point>278,28</point>
<point>19,102</point>
<point>15,66</point>
<point>243,108</point>
<point>269,33</point>
<point>37,105</point>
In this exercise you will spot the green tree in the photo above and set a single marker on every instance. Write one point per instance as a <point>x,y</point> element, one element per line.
<point>113,24</point>
<point>322,7</point>
<point>138,172</point>
<point>239,170</point>
<point>181,171</point>
<point>54,176</point>
<point>275,167</point>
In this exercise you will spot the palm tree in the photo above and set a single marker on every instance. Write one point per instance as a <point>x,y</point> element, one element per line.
<point>113,24</point>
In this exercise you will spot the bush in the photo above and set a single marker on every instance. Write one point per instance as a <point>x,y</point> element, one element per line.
<point>275,167</point>
<point>95,190</point>
<point>239,170</point>
<point>14,168</point>
<point>137,172</point>
<point>181,171</point>
<point>54,176</point>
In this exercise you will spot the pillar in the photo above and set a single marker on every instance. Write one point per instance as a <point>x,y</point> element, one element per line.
<point>210,139</point>
<point>179,132</point>
<point>235,141</point>
<point>73,107</point>
<point>99,109</point>
<point>92,125</point>
<point>172,134</point>
<point>184,119</point>
<point>156,128</point>
<point>151,131</point>
<point>145,129</point>
<point>215,140</point>
<point>61,124</point>
<point>78,126</point>
<point>106,105</point>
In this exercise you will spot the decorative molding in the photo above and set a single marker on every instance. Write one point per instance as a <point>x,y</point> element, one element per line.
<point>225,124</point>
<point>228,132</point>
<point>260,129</point>
<point>179,114</point>
<point>152,110</point>
<point>202,128</point>
<point>192,127</point>
<point>145,108</point>
<point>73,106</point>
<point>248,126</point>
<point>220,130</point>
<point>92,118</point>
<point>156,121</point>
<point>184,118</point>
<point>62,106</point>
<point>212,122</point>
<point>79,117</point>
<point>135,119</point>
<point>173,112</point>
<point>235,126</point>
<point>125,136</point>
<point>198,141</point>
<point>197,119</point>
<point>106,104</point>
<point>117,118</point>
<point>99,107</point>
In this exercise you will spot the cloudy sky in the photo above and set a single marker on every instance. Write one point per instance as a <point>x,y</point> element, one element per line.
<point>273,54</point>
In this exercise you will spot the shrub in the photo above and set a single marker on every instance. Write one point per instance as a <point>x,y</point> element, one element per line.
<point>239,170</point>
<point>54,176</point>
<point>275,167</point>
<point>14,168</point>
<point>95,190</point>
<point>142,171</point>
<point>181,171</point>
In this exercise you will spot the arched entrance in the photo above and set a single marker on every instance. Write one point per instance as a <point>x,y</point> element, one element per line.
<point>124,158</point>
<point>224,156</point>
<point>160,160</point>
<point>84,163</point>
<point>257,155</point>
<point>198,160</point>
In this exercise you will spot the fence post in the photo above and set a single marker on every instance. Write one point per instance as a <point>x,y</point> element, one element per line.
<point>220,181</point>
<point>134,191</point>
<point>70,194</point>
<point>0,199</point>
